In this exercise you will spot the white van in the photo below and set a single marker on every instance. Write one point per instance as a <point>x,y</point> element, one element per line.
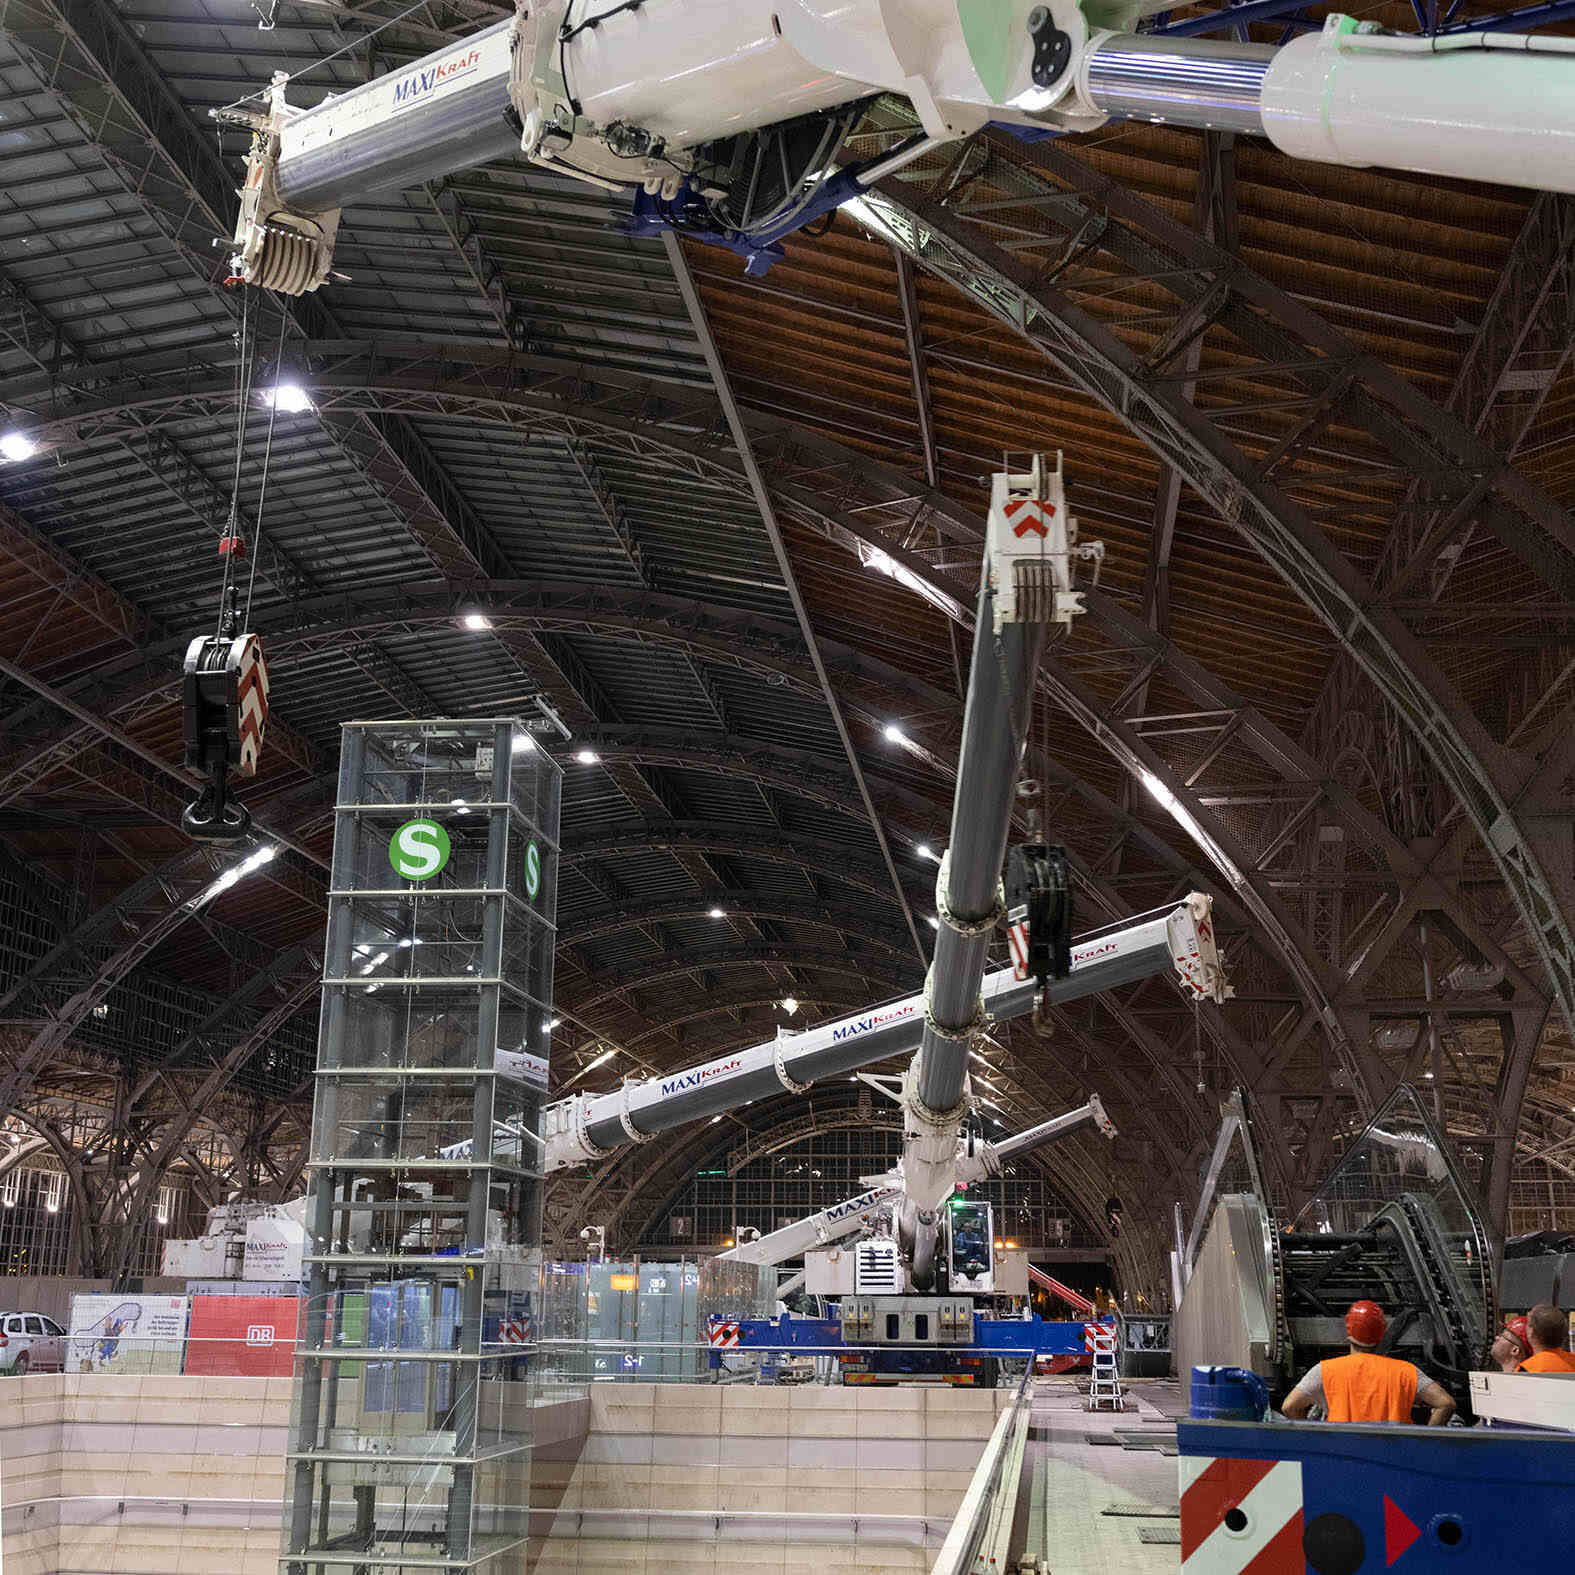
<point>31,1343</point>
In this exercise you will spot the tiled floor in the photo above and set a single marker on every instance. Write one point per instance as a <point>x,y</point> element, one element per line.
<point>1074,1482</point>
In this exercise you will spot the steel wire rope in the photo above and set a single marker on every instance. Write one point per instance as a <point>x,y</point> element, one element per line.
<point>262,482</point>
<point>343,49</point>
<point>243,378</point>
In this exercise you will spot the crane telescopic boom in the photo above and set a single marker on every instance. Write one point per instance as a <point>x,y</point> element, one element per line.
<point>1027,587</point>
<point>974,1161</point>
<point>724,118</point>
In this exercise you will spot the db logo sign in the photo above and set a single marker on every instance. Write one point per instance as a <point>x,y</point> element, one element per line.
<point>259,1334</point>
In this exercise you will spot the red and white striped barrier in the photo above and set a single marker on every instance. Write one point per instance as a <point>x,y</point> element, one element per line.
<point>1100,1338</point>
<point>1241,1517</point>
<point>251,698</point>
<point>723,1335</point>
<point>514,1331</point>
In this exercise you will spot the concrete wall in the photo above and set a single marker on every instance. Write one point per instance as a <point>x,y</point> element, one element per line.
<point>141,1476</point>
<point>167,1475</point>
<point>697,1478</point>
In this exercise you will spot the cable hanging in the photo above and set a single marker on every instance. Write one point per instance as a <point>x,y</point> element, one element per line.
<point>224,695</point>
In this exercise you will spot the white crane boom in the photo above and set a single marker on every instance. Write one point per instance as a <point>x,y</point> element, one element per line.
<point>723,118</point>
<point>587,1126</point>
<point>974,1161</point>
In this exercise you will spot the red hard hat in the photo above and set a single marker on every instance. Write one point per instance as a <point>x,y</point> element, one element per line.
<point>1365,1322</point>
<point>1517,1328</point>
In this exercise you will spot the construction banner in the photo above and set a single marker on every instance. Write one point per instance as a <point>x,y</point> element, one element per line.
<point>242,1336</point>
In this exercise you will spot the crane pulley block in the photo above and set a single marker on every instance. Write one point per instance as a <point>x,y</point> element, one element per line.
<point>225,711</point>
<point>1039,911</point>
<point>1032,549</point>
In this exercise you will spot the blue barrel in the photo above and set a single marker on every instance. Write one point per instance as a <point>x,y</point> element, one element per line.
<point>1228,1394</point>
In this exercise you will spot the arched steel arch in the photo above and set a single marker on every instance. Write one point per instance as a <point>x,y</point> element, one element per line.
<point>631,1199</point>
<point>841,997</point>
<point>296,977</point>
<point>1213,290</point>
<point>653,422</point>
<point>673,428</point>
<point>126,688</point>
<point>828,859</point>
<point>806,772</point>
<point>612,982</point>
<point>783,1134</point>
<point>855,923</point>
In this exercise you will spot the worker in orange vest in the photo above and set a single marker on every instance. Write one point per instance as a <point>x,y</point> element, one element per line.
<point>1512,1346</point>
<point>1364,1386</point>
<point>1549,1329</point>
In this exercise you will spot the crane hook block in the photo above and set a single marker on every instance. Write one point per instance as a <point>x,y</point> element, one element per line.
<point>225,706</point>
<point>1039,912</point>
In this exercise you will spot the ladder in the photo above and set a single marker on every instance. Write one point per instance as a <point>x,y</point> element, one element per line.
<point>1105,1390</point>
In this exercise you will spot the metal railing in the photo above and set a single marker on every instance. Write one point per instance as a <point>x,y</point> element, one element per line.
<point>982,1531</point>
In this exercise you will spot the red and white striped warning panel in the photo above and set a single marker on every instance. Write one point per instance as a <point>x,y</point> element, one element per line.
<point>1017,939</point>
<point>724,1334</point>
<point>1029,516</point>
<point>1099,1337</point>
<point>1241,1517</point>
<point>251,699</point>
<point>514,1331</point>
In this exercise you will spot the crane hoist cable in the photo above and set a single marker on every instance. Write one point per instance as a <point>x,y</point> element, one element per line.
<point>224,693</point>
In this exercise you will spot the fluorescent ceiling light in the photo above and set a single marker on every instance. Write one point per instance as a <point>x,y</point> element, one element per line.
<point>1160,791</point>
<point>588,757</point>
<point>554,1023</point>
<point>1183,818</point>
<point>716,913</point>
<point>883,563</point>
<point>790,1004</point>
<point>932,921</point>
<point>602,1059</point>
<point>230,877</point>
<point>17,446</point>
<point>925,851</point>
<point>894,734</point>
<point>476,622</point>
<point>291,398</point>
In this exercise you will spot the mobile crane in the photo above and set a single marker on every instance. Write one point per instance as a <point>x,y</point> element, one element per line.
<point>723,119</point>
<point>918,1237</point>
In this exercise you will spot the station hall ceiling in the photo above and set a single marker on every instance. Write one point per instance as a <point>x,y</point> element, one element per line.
<point>1319,417</point>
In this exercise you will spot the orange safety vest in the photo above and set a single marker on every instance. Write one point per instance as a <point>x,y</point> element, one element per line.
<point>1549,1362</point>
<point>1363,1387</point>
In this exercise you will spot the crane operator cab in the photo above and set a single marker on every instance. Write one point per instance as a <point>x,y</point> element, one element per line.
<point>970,1241</point>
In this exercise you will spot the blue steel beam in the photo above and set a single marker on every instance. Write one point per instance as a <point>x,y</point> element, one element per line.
<point>1518,19</point>
<point>1232,16</point>
<point>1521,20</point>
